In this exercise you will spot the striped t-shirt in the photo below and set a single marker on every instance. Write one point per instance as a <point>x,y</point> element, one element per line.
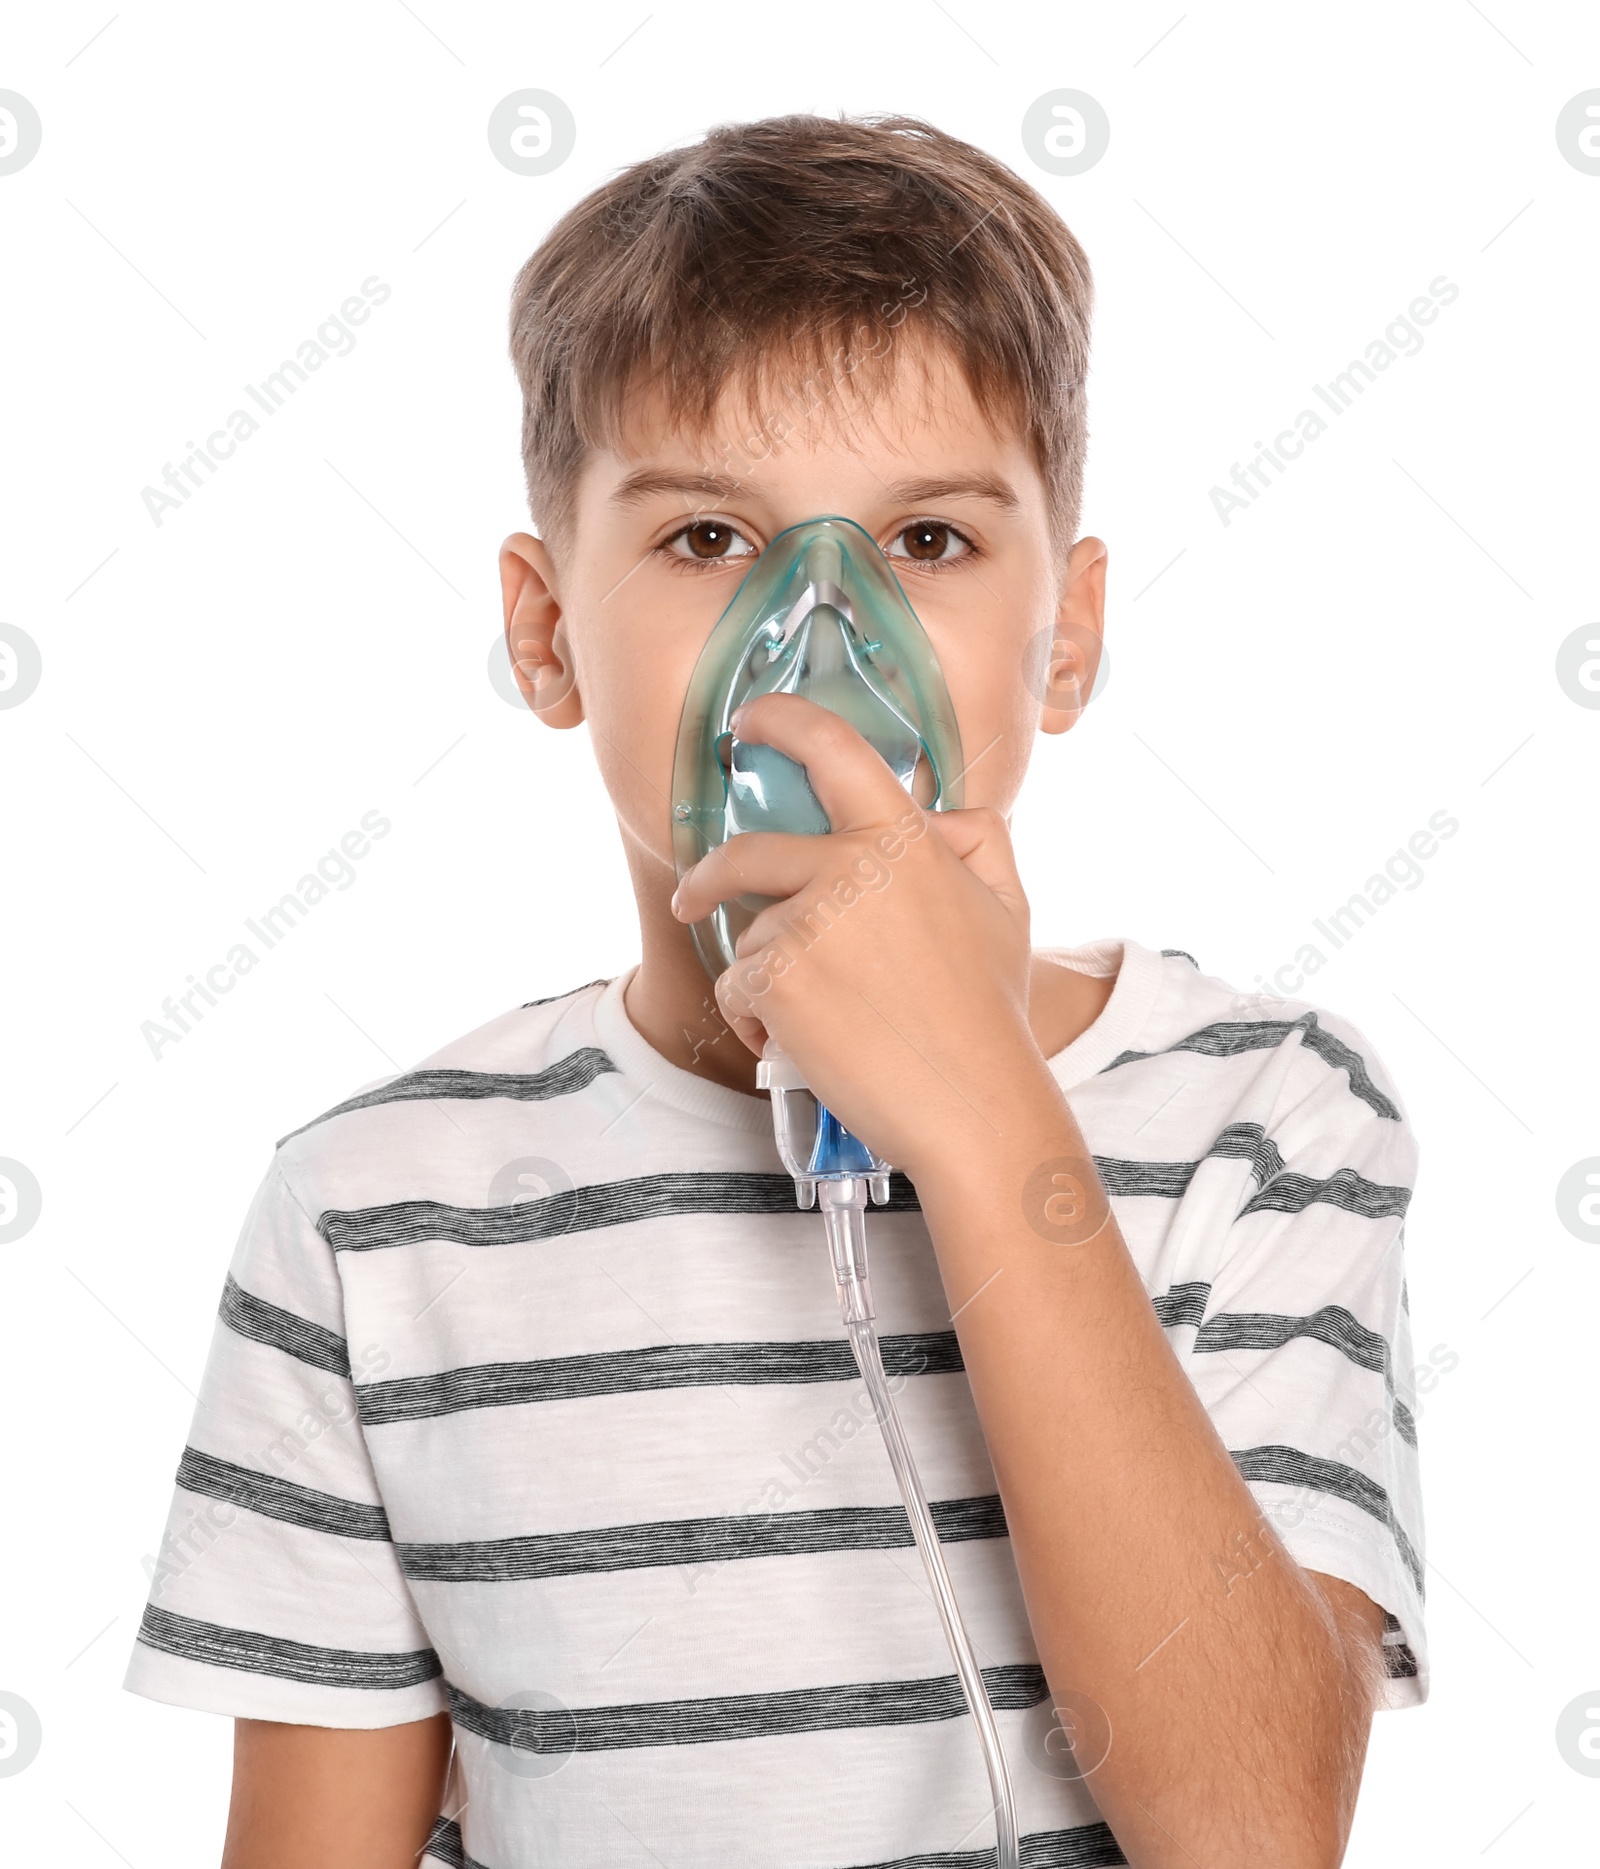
<point>529,1401</point>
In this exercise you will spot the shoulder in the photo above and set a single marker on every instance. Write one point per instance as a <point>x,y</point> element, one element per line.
<point>1289,1059</point>
<point>535,1053</point>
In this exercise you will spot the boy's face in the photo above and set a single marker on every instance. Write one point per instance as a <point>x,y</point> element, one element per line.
<point>666,525</point>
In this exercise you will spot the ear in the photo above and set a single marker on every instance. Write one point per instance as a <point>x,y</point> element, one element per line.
<point>536,636</point>
<point>1077,640</point>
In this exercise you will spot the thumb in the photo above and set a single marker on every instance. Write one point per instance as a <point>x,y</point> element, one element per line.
<point>981,838</point>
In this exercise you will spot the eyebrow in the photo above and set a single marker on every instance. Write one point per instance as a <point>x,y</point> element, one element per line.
<point>988,487</point>
<point>646,482</point>
<point>649,481</point>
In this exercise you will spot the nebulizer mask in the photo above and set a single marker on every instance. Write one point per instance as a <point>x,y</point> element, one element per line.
<point>821,614</point>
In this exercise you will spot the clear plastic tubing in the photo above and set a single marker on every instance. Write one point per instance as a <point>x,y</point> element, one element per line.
<point>843,1200</point>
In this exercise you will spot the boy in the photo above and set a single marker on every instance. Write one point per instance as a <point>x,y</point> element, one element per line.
<point>529,1418</point>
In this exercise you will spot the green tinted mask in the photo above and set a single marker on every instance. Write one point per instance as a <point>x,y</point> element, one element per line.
<point>820,614</point>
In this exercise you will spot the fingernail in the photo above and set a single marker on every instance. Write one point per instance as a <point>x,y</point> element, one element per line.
<point>736,716</point>
<point>675,895</point>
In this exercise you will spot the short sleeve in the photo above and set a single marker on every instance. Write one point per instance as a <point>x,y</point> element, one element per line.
<point>1303,1352</point>
<point>276,1594</point>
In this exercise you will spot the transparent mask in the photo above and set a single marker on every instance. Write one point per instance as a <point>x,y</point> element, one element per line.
<point>820,614</point>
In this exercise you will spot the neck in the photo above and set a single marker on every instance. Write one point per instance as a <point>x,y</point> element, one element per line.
<point>671,1004</point>
<point>670,999</point>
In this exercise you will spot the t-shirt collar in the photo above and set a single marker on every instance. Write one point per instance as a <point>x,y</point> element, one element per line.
<point>1123,1018</point>
<point>1138,973</point>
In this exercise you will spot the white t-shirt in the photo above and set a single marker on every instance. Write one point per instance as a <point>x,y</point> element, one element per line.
<point>529,1401</point>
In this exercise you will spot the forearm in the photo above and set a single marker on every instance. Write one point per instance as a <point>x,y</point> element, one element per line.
<point>1152,1582</point>
<point>321,1797</point>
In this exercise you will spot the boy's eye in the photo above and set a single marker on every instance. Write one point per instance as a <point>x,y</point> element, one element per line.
<point>928,542</point>
<point>709,539</point>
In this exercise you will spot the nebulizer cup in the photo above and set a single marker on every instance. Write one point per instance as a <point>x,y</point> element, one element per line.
<point>821,614</point>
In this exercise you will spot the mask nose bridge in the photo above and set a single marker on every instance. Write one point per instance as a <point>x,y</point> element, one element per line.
<point>818,591</point>
<point>823,557</point>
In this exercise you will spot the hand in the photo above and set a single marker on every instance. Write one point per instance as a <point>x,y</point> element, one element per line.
<point>894,966</point>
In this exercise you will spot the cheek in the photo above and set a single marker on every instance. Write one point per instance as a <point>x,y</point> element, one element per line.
<point>996,714</point>
<point>1004,719</point>
<point>633,671</point>
<point>633,727</point>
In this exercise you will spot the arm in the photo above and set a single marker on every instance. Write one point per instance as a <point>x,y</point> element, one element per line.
<point>324,1797</point>
<point>1237,1687</point>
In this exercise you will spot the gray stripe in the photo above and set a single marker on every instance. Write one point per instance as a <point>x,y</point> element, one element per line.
<point>445,1844</point>
<point>1333,1325</point>
<point>1166,1181</point>
<point>577,1210</point>
<point>1400,1662</point>
<point>253,1653</point>
<point>270,1324</point>
<point>275,1498</point>
<point>1230,1037</point>
<point>659,1366</point>
<point>723,1191</point>
<point>1087,1846</point>
<point>749,1365</point>
<point>1177,953</point>
<point>554,997</point>
<point>1399,1658</point>
<point>1246,1142</point>
<point>1182,1304</point>
<point>1249,1142</point>
<point>567,1075</point>
<point>1012,1688</point>
<point>1288,1466</point>
<point>1292,1194</point>
<point>1271,1330</point>
<point>695,1541</point>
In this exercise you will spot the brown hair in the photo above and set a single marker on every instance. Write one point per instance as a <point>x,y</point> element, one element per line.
<point>794,248</point>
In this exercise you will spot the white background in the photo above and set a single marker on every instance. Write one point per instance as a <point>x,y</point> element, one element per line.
<point>1291,697</point>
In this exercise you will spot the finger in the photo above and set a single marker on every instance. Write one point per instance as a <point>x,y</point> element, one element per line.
<point>755,863</point>
<point>850,778</point>
<point>738,991</point>
<point>784,929</point>
<point>981,838</point>
<point>797,868</point>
